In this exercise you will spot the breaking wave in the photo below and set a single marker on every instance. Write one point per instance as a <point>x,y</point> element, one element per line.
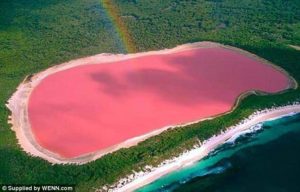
<point>247,133</point>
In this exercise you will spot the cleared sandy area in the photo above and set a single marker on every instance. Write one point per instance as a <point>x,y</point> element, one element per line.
<point>137,180</point>
<point>29,118</point>
<point>295,47</point>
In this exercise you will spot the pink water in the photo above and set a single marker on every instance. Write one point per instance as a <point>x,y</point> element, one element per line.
<point>92,107</point>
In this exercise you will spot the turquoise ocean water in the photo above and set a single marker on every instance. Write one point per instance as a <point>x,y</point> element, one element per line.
<point>266,159</point>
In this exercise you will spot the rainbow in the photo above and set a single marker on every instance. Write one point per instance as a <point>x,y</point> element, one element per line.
<point>113,13</point>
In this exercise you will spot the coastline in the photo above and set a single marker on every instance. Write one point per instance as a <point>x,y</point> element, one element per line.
<point>140,179</point>
<point>18,103</point>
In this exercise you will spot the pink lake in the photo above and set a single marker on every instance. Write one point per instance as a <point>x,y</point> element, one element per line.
<point>92,107</point>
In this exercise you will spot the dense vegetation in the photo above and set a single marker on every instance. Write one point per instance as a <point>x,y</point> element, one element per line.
<point>156,24</point>
<point>35,34</point>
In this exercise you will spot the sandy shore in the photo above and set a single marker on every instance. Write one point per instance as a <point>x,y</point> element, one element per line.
<point>18,103</point>
<point>137,180</point>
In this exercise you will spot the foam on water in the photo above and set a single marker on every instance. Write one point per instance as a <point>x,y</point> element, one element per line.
<point>251,130</point>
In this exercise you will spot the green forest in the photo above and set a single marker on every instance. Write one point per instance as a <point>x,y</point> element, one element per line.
<point>37,34</point>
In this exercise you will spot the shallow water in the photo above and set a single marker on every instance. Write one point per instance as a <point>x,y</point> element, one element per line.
<point>266,159</point>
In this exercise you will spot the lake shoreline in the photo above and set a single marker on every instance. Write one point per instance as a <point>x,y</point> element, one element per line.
<point>18,103</point>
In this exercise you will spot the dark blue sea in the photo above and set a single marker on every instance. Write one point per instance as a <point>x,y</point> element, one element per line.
<point>267,160</point>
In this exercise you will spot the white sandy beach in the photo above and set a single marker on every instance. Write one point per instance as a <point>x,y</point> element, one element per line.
<point>137,180</point>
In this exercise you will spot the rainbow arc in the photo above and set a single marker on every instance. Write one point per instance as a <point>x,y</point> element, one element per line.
<point>113,13</point>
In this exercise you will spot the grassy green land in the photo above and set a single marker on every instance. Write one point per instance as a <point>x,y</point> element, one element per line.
<point>36,34</point>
